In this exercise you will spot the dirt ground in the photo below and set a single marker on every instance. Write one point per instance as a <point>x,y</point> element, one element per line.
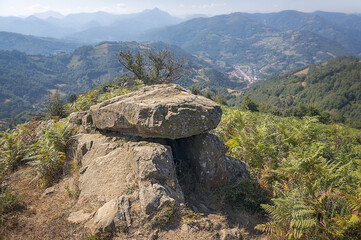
<point>43,215</point>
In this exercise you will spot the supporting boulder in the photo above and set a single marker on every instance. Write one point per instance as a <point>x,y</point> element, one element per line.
<point>207,156</point>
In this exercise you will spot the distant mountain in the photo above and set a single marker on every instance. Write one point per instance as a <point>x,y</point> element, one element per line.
<point>88,27</point>
<point>127,27</point>
<point>244,46</point>
<point>342,28</point>
<point>83,21</point>
<point>48,14</point>
<point>25,80</point>
<point>333,85</point>
<point>34,26</point>
<point>352,21</point>
<point>34,45</point>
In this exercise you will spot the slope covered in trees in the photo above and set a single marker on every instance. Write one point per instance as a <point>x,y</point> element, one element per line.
<point>339,27</point>
<point>27,79</point>
<point>334,85</point>
<point>256,45</point>
<point>35,45</point>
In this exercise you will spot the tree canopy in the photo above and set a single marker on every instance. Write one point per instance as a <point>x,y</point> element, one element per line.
<point>153,67</point>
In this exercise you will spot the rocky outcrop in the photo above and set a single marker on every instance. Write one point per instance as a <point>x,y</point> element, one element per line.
<point>82,120</point>
<point>159,111</point>
<point>116,171</point>
<point>129,171</point>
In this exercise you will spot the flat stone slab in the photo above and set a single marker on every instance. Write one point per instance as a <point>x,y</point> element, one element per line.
<point>158,111</point>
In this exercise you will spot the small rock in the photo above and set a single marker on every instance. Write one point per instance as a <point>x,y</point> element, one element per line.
<point>83,169</point>
<point>195,209</point>
<point>103,220</point>
<point>49,190</point>
<point>112,214</point>
<point>203,208</point>
<point>185,228</point>
<point>231,234</point>
<point>79,217</point>
<point>154,235</point>
<point>236,168</point>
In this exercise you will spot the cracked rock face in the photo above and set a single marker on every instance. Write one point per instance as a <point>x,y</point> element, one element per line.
<point>114,172</point>
<point>158,111</point>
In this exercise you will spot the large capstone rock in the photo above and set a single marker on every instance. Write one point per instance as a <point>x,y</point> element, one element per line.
<point>158,111</point>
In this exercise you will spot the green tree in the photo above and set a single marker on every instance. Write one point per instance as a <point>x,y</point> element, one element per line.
<point>152,67</point>
<point>55,105</point>
<point>248,104</point>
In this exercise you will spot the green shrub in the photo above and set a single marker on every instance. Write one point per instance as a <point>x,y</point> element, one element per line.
<point>49,152</point>
<point>312,170</point>
<point>15,145</point>
<point>8,203</point>
<point>163,215</point>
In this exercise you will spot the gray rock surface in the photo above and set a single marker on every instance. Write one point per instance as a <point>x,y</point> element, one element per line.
<point>153,196</point>
<point>231,234</point>
<point>79,217</point>
<point>114,170</point>
<point>82,120</point>
<point>206,153</point>
<point>111,215</point>
<point>158,111</point>
<point>236,168</point>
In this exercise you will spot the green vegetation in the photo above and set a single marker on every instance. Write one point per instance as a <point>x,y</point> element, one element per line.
<point>333,86</point>
<point>244,40</point>
<point>27,80</point>
<point>34,45</point>
<point>248,104</point>
<point>119,86</point>
<point>14,151</point>
<point>164,215</point>
<point>55,105</point>
<point>343,28</point>
<point>152,67</point>
<point>8,202</point>
<point>312,170</point>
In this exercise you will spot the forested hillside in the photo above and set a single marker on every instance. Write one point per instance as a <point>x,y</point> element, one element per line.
<point>339,27</point>
<point>333,85</point>
<point>27,79</point>
<point>35,45</point>
<point>255,45</point>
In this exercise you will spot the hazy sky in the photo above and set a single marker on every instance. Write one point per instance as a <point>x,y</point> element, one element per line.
<point>183,7</point>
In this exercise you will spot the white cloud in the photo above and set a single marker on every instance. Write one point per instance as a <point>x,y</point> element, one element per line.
<point>118,8</point>
<point>212,5</point>
<point>121,5</point>
<point>37,8</point>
